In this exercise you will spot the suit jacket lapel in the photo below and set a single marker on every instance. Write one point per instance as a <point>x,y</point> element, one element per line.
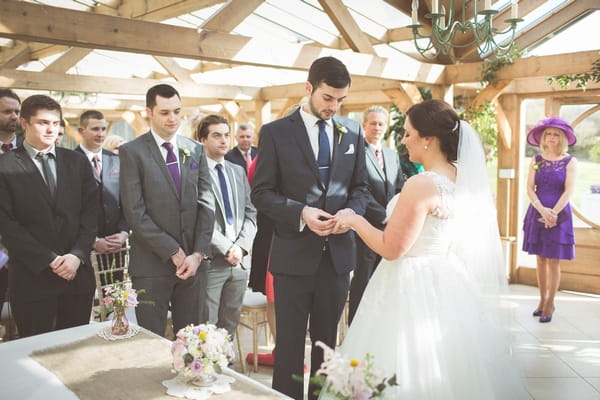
<point>372,160</point>
<point>34,174</point>
<point>160,162</point>
<point>301,138</point>
<point>184,162</point>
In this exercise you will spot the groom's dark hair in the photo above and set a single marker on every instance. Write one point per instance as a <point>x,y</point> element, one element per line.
<point>329,70</point>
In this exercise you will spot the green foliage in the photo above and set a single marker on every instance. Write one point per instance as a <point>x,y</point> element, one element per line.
<point>595,151</point>
<point>582,79</point>
<point>483,120</point>
<point>491,66</point>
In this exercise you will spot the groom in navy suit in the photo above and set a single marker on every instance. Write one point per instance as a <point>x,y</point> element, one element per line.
<point>310,168</point>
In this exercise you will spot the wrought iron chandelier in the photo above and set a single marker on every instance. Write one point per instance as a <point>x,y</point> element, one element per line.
<point>475,31</point>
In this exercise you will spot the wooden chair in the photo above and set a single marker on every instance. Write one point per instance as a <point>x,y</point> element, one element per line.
<point>105,267</point>
<point>253,316</point>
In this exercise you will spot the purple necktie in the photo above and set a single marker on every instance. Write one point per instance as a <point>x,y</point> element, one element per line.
<point>173,166</point>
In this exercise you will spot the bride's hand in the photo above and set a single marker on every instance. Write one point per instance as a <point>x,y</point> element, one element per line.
<point>343,221</point>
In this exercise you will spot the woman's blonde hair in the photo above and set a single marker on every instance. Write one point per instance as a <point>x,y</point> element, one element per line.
<point>563,144</point>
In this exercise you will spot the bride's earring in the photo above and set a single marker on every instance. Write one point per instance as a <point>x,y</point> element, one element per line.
<point>426,147</point>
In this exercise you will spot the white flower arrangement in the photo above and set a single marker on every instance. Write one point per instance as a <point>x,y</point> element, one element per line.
<point>201,350</point>
<point>353,379</point>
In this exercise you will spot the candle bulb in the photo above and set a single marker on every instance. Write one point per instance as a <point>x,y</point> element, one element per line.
<point>487,5</point>
<point>443,18</point>
<point>415,12</point>
<point>434,6</point>
<point>514,11</point>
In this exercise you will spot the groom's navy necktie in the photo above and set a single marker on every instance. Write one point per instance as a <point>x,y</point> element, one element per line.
<point>225,194</point>
<point>323,155</point>
<point>173,166</point>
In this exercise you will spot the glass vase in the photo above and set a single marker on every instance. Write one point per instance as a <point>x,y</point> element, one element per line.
<point>120,324</point>
<point>204,380</point>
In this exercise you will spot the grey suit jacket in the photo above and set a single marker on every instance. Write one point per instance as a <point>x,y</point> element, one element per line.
<point>244,217</point>
<point>161,221</point>
<point>383,185</point>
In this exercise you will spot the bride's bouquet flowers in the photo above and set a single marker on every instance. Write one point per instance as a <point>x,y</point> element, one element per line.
<point>353,379</point>
<point>201,350</point>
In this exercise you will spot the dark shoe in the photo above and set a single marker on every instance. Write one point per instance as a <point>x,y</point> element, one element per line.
<point>537,313</point>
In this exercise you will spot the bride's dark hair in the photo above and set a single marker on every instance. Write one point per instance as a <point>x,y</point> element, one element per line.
<point>437,118</point>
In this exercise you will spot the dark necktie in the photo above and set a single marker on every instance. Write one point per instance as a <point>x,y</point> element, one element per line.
<point>173,166</point>
<point>225,194</point>
<point>47,171</point>
<point>323,155</point>
<point>6,147</point>
<point>97,167</point>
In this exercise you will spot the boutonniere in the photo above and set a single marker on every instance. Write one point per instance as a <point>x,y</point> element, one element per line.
<point>341,129</point>
<point>538,165</point>
<point>184,153</point>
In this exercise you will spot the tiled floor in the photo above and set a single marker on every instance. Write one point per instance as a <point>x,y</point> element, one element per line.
<point>559,360</point>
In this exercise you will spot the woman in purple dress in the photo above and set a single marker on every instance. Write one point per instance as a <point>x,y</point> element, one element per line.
<point>548,222</point>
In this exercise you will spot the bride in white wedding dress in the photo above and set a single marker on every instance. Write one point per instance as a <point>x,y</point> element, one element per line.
<point>431,313</point>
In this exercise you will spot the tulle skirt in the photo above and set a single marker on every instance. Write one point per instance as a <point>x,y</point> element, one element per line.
<point>424,321</point>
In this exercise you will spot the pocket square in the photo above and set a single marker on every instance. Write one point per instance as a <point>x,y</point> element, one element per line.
<point>194,165</point>
<point>350,149</point>
<point>114,172</point>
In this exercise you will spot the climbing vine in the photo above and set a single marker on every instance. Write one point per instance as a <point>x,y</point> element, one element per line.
<point>582,79</point>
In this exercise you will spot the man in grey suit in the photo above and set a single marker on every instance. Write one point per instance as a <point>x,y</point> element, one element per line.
<point>385,180</point>
<point>168,203</point>
<point>310,168</point>
<point>112,227</point>
<point>235,227</point>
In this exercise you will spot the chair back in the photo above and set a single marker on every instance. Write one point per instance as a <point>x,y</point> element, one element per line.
<point>108,269</point>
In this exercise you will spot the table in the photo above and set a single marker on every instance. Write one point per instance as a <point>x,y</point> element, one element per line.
<point>23,378</point>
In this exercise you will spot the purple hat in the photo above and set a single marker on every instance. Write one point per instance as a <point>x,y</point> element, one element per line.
<point>535,134</point>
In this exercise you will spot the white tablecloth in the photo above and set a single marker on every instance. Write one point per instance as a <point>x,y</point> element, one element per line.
<point>22,378</point>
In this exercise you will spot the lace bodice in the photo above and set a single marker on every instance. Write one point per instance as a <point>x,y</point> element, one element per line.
<point>437,229</point>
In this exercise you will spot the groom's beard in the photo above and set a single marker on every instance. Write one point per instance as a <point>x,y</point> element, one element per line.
<point>325,114</point>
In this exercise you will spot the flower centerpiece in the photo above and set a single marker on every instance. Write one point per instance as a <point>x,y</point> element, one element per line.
<point>120,295</point>
<point>201,352</point>
<point>343,379</point>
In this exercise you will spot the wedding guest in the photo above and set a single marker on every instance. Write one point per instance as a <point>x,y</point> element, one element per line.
<point>385,179</point>
<point>261,280</point>
<point>235,227</point>
<point>311,167</point>
<point>51,282</point>
<point>431,312</point>
<point>166,195</point>
<point>61,133</point>
<point>10,105</point>
<point>548,224</point>
<point>112,227</point>
<point>244,152</point>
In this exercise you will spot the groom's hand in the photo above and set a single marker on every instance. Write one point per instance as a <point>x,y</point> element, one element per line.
<point>318,221</point>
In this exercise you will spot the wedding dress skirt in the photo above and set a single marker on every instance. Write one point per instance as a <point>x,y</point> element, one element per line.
<point>422,318</point>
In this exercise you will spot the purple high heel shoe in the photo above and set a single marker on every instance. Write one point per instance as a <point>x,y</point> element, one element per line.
<point>547,318</point>
<point>537,313</point>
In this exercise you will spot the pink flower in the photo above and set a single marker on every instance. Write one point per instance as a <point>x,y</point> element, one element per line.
<point>196,367</point>
<point>108,300</point>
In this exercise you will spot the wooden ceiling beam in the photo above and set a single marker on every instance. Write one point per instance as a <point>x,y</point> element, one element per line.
<point>344,22</point>
<point>16,56</point>
<point>81,29</point>
<point>161,10</point>
<point>540,66</point>
<point>176,70</point>
<point>231,15</point>
<point>94,84</point>
<point>68,59</point>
